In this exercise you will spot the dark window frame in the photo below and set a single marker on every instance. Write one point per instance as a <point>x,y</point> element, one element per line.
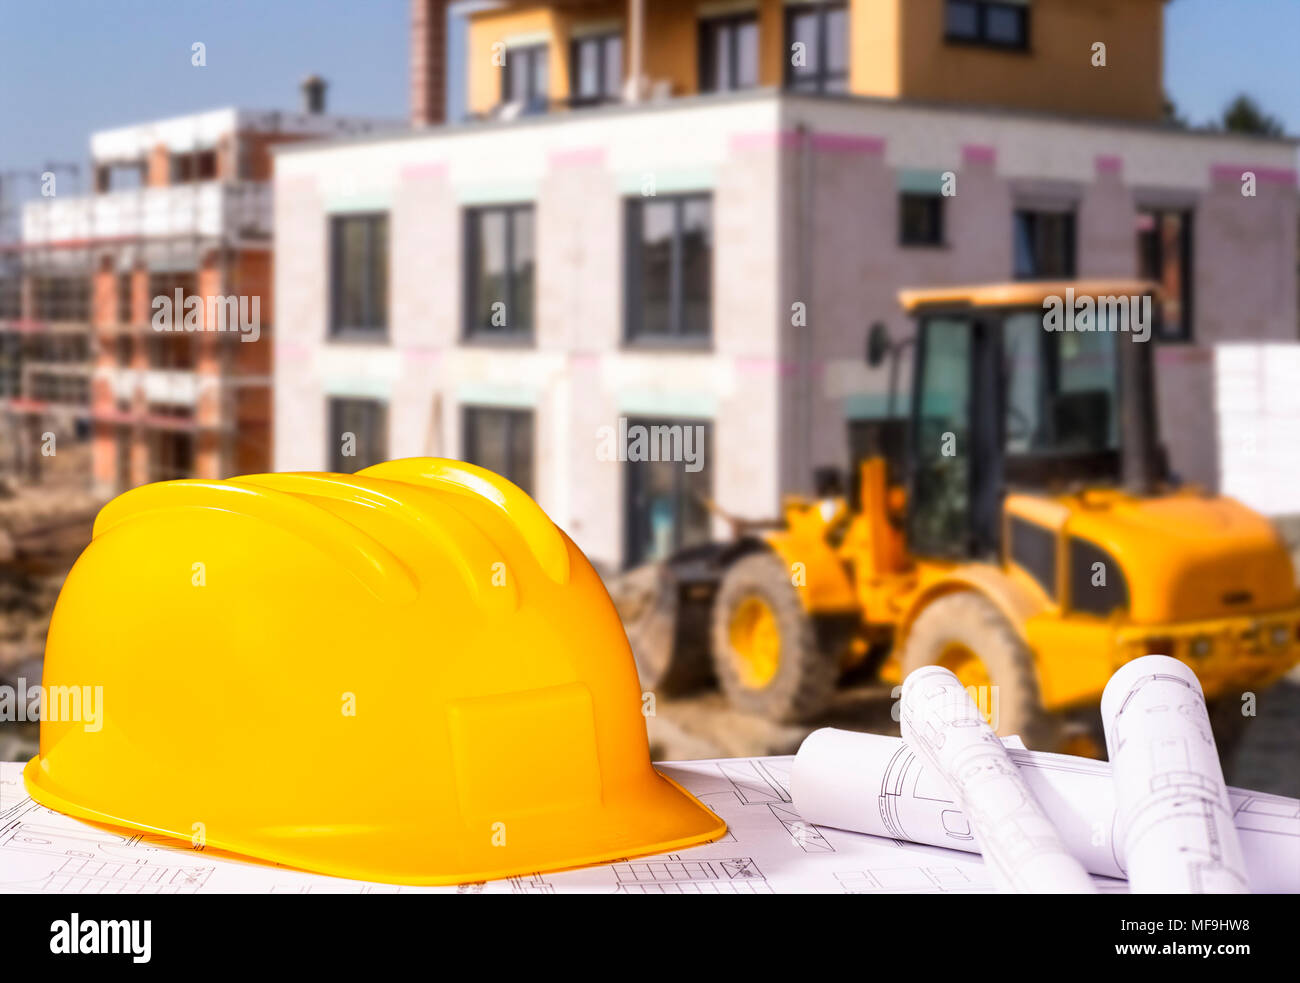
<point>1035,549</point>
<point>1084,597</point>
<point>634,333</point>
<point>982,38</point>
<point>1150,266</point>
<point>11,295</point>
<point>471,230</point>
<point>125,305</point>
<point>634,471</point>
<point>1070,215</point>
<point>334,406</point>
<point>610,90</point>
<point>514,416</point>
<point>731,24</point>
<point>61,297</point>
<point>937,238</point>
<point>375,328</point>
<point>821,76</point>
<point>533,100</point>
<point>171,455</point>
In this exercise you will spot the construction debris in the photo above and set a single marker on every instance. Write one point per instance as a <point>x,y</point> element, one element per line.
<point>42,532</point>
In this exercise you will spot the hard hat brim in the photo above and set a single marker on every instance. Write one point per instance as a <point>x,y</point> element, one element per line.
<point>661,818</point>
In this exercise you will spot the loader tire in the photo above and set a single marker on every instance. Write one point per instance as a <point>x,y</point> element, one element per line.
<point>962,630</point>
<point>668,642</point>
<point>765,647</point>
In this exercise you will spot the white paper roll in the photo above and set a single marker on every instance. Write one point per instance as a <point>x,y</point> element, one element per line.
<point>870,783</point>
<point>1176,830</point>
<point>1020,844</point>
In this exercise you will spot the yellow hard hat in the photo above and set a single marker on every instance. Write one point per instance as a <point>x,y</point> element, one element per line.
<point>409,674</point>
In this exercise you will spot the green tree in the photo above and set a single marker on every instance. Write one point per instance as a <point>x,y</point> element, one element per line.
<point>1171,114</point>
<point>1244,115</point>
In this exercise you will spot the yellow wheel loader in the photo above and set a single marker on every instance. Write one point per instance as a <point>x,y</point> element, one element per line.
<point>1026,534</point>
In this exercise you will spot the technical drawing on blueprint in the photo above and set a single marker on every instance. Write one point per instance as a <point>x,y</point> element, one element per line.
<point>768,849</point>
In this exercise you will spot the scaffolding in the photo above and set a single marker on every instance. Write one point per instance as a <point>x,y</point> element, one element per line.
<point>75,363</point>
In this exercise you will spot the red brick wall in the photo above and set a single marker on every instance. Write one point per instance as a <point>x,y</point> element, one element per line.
<point>428,61</point>
<point>103,297</point>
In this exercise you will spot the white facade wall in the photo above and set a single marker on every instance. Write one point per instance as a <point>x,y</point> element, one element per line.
<point>577,376</point>
<point>805,211</point>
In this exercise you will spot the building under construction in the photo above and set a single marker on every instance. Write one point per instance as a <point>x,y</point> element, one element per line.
<point>94,361</point>
<point>135,340</point>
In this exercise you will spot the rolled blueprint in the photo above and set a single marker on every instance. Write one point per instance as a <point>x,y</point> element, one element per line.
<point>1020,845</point>
<point>869,783</point>
<point>1176,828</point>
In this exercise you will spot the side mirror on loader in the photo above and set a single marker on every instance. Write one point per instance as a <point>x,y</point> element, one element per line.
<point>878,344</point>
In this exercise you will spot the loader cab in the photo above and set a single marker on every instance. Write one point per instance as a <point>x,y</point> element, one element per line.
<point>1033,387</point>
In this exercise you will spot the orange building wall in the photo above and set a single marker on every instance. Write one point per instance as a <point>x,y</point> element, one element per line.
<point>1057,74</point>
<point>103,297</point>
<point>158,171</point>
<point>875,66</point>
<point>247,430</point>
<point>257,147</point>
<point>897,49</point>
<point>486,32</point>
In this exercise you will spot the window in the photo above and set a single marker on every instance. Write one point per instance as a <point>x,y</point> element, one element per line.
<point>524,78</point>
<point>358,434</point>
<point>728,53</point>
<point>817,47</point>
<point>60,387</point>
<point>167,286</point>
<point>596,69</point>
<point>1033,549</point>
<point>182,168</point>
<point>1044,244</point>
<point>670,268</point>
<point>1165,256</point>
<point>500,272</point>
<point>171,350</point>
<point>61,298</point>
<point>171,455</point>
<point>997,25</point>
<point>939,517</point>
<point>11,367</point>
<point>920,219</point>
<point>500,440</point>
<point>1062,393</point>
<point>125,309</point>
<point>666,506</point>
<point>205,165</point>
<point>201,165</point>
<point>123,442</point>
<point>359,251</point>
<point>10,298</point>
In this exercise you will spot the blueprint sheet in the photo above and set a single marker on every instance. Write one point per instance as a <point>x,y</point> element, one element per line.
<point>768,849</point>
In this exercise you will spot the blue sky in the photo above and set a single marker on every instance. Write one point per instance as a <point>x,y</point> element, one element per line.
<point>68,67</point>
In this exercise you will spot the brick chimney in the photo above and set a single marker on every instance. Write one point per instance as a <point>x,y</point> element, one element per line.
<point>428,62</point>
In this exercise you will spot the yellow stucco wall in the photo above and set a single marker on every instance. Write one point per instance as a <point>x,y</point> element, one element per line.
<point>490,29</point>
<point>1057,73</point>
<point>874,65</point>
<point>898,50</point>
<point>670,43</point>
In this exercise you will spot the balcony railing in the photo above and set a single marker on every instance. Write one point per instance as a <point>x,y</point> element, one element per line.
<point>212,209</point>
